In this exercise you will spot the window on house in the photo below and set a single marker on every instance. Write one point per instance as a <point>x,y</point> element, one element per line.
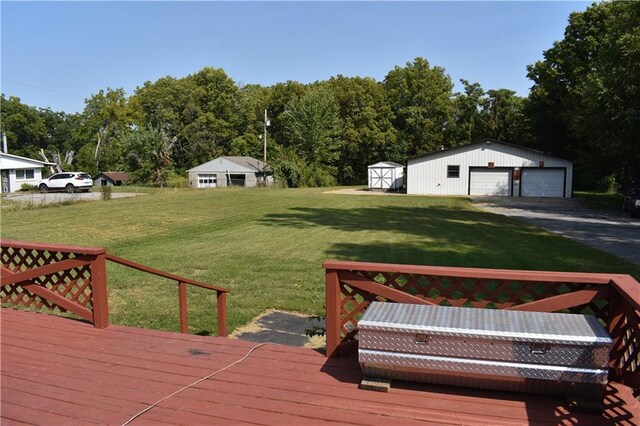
<point>453,171</point>
<point>25,174</point>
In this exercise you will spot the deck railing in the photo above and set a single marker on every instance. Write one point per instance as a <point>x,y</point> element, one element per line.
<point>614,299</point>
<point>66,278</point>
<point>182,293</point>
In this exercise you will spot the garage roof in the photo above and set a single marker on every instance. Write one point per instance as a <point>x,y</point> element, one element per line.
<point>235,164</point>
<point>482,142</point>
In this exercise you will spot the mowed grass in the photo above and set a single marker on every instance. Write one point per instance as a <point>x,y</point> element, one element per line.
<point>600,200</point>
<point>267,245</point>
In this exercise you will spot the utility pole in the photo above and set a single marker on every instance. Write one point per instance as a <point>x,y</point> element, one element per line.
<point>264,138</point>
<point>267,123</point>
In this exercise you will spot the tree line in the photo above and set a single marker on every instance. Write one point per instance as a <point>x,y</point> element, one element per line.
<point>583,106</point>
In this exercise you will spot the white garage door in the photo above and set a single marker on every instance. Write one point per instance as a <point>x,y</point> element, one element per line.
<point>206,181</point>
<point>490,182</point>
<point>542,182</point>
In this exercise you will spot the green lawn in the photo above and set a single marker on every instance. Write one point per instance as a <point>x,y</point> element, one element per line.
<point>267,245</point>
<point>600,200</point>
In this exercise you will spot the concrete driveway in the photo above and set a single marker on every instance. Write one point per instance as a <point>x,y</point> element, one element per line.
<point>38,198</point>
<point>610,231</point>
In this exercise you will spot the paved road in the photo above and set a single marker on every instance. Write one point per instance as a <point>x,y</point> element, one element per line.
<point>38,198</point>
<point>610,231</point>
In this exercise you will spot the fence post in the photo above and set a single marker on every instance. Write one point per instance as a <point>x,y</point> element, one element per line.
<point>617,333</point>
<point>332,288</point>
<point>182,296</point>
<point>99,291</point>
<point>222,313</point>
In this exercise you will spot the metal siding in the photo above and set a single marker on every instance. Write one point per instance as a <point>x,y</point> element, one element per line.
<point>428,175</point>
<point>250,180</point>
<point>490,181</point>
<point>543,182</point>
<point>193,179</point>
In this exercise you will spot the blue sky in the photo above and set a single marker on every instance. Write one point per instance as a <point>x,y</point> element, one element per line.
<point>55,54</point>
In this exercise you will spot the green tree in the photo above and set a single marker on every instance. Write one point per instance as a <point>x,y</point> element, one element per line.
<point>148,155</point>
<point>279,98</point>
<point>252,101</point>
<point>312,128</point>
<point>504,116</point>
<point>202,111</point>
<point>24,126</point>
<point>421,100</point>
<point>470,114</point>
<point>105,121</point>
<point>584,100</point>
<point>366,127</point>
<point>32,131</point>
<point>210,115</point>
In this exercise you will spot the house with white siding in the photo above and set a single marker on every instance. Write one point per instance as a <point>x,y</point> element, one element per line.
<point>490,168</point>
<point>16,171</point>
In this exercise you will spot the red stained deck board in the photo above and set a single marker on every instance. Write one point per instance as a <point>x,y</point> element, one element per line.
<point>70,372</point>
<point>141,347</point>
<point>29,415</point>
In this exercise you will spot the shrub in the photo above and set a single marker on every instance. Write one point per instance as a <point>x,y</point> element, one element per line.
<point>25,187</point>
<point>106,192</point>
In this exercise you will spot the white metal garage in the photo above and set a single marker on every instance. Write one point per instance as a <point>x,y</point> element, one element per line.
<point>385,175</point>
<point>542,182</point>
<point>490,182</point>
<point>490,168</point>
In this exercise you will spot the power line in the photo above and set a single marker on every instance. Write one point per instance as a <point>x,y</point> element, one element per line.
<point>42,88</point>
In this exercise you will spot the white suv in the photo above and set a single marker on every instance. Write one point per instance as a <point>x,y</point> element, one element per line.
<point>67,181</point>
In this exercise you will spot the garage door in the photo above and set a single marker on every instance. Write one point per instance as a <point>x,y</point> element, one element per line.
<point>490,182</point>
<point>542,183</point>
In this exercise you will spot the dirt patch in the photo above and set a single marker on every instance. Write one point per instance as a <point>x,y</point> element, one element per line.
<point>361,191</point>
<point>285,328</point>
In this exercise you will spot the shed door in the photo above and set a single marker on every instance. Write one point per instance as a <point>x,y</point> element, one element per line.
<point>542,183</point>
<point>490,182</point>
<point>380,178</point>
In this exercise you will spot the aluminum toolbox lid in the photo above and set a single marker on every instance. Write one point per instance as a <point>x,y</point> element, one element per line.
<point>499,324</point>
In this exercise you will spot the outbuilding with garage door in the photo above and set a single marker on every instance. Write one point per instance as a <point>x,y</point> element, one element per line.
<point>490,168</point>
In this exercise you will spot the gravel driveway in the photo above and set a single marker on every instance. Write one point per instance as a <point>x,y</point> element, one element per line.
<point>37,198</point>
<point>610,231</point>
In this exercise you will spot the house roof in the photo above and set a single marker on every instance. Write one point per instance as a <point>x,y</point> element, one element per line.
<point>386,164</point>
<point>115,176</point>
<point>232,164</point>
<point>484,142</point>
<point>13,159</point>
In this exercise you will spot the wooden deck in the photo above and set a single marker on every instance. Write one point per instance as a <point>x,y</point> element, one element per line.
<point>61,371</point>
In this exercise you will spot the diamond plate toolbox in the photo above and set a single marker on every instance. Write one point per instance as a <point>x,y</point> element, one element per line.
<point>564,354</point>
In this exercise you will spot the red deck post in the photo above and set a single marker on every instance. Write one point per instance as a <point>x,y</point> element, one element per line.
<point>222,313</point>
<point>182,296</point>
<point>99,291</point>
<point>333,311</point>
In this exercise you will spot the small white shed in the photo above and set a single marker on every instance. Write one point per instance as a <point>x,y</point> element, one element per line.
<point>490,168</point>
<point>386,175</point>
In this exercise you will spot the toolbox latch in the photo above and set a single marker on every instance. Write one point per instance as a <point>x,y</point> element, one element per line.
<point>422,339</point>
<point>539,348</point>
